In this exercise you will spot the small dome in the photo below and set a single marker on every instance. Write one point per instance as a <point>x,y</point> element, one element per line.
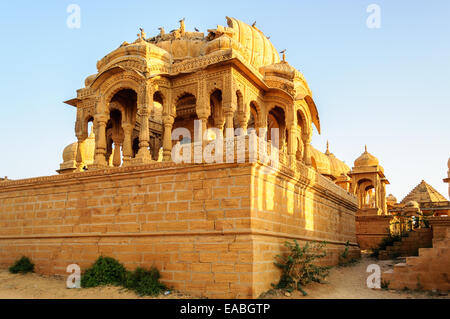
<point>337,167</point>
<point>221,43</point>
<point>412,203</point>
<point>321,161</point>
<point>391,199</point>
<point>281,69</point>
<point>366,159</point>
<point>70,152</point>
<point>90,79</point>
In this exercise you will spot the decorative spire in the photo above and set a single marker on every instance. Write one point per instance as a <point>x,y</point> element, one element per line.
<point>284,55</point>
<point>328,149</point>
<point>365,147</point>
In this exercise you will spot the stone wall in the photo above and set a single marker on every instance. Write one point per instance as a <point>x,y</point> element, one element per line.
<point>370,230</point>
<point>212,230</point>
<point>299,205</point>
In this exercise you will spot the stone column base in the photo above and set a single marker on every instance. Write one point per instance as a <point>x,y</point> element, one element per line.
<point>94,166</point>
<point>140,161</point>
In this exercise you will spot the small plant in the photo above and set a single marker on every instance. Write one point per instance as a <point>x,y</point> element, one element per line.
<point>144,282</point>
<point>395,255</point>
<point>389,240</point>
<point>375,253</point>
<point>344,260</point>
<point>385,284</point>
<point>23,265</point>
<point>105,271</point>
<point>343,257</point>
<point>298,268</point>
<point>419,284</point>
<point>425,223</point>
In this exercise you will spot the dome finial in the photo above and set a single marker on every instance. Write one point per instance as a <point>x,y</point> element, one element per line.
<point>365,148</point>
<point>284,55</point>
<point>328,148</point>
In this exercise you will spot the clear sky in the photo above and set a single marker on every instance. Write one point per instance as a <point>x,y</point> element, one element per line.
<point>387,88</point>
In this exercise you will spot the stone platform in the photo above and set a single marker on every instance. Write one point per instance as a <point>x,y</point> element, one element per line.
<point>212,230</point>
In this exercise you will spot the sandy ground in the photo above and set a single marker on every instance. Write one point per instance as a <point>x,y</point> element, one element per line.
<point>34,286</point>
<point>343,282</point>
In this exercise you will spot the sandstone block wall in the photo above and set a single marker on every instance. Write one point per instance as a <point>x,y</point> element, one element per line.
<point>212,230</point>
<point>370,230</point>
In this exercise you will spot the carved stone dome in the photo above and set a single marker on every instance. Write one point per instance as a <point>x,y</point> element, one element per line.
<point>282,69</point>
<point>338,167</point>
<point>366,159</point>
<point>70,152</point>
<point>391,199</point>
<point>412,203</point>
<point>90,79</point>
<point>138,54</point>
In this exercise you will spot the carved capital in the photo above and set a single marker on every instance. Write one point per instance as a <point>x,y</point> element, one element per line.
<point>101,119</point>
<point>127,127</point>
<point>168,120</point>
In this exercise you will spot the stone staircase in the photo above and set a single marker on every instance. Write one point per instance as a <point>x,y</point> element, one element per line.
<point>428,271</point>
<point>409,246</point>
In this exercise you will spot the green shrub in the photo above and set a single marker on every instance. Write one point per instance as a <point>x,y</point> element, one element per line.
<point>105,271</point>
<point>298,268</point>
<point>375,253</point>
<point>344,259</point>
<point>108,271</point>
<point>23,265</point>
<point>144,282</point>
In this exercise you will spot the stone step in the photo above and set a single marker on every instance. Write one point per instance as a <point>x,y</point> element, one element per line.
<point>413,260</point>
<point>425,252</point>
<point>441,243</point>
<point>388,275</point>
<point>401,267</point>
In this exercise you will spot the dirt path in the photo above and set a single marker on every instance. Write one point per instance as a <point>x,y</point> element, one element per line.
<point>350,283</point>
<point>343,282</point>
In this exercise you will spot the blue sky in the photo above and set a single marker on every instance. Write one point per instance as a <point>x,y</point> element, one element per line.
<point>387,88</point>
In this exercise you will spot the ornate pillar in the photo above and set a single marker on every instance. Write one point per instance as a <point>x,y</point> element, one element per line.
<point>447,180</point>
<point>80,151</point>
<point>100,140</point>
<point>229,118</point>
<point>127,146</point>
<point>143,156</point>
<point>145,105</point>
<point>167,137</point>
<point>262,123</point>
<point>292,142</point>
<point>116,154</point>
<point>307,151</point>
<point>203,117</point>
<point>243,122</point>
<point>219,123</point>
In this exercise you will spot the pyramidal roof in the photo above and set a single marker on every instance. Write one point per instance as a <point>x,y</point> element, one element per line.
<point>424,193</point>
